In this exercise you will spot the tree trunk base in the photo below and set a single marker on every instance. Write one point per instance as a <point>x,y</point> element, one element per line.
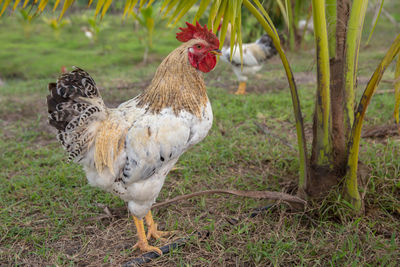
<point>323,180</point>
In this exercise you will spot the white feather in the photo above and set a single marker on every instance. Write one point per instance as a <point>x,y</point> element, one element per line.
<point>248,58</point>
<point>251,64</point>
<point>153,145</point>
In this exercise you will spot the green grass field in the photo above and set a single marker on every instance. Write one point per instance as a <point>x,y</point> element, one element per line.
<point>49,215</point>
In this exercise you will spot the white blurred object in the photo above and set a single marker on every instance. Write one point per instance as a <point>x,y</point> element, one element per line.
<point>88,33</point>
<point>302,25</point>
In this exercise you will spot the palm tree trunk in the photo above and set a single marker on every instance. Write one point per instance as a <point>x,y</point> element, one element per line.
<point>340,129</point>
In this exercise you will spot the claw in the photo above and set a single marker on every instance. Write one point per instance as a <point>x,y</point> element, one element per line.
<point>152,228</point>
<point>145,247</point>
<point>153,232</point>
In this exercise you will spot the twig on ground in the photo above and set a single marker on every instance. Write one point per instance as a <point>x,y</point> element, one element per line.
<point>266,131</point>
<point>12,205</point>
<point>384,91</point>
<point>252,194</point>
<point>390,18</point>
<point>381,131</point>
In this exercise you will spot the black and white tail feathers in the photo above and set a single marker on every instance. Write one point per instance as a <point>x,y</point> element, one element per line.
<point>76,109</point>
<point>267,45</point>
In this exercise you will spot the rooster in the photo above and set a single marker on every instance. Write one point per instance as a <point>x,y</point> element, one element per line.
<point>254,56</point>
<point>129,150</point>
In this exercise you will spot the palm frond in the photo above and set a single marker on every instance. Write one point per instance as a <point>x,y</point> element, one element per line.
<point>25,3</point>
<point>354,143</point>
<point>67,4</point>
<point>323,150</point>
<point>182,12</point>
<point>99,5</point>
<point>213,13</point>
<point>202,8</point>
<point>353,39</point>
<point>376,18</point>
<point>16,4</point>
<point>56,5</point>
<point>397,90</point>
<point>268,26</point>
<point>5,5</point>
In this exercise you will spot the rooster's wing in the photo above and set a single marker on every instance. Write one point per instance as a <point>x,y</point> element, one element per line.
<point>154,142</point>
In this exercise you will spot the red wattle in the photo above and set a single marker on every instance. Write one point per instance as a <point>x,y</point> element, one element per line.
<point>204,63</point>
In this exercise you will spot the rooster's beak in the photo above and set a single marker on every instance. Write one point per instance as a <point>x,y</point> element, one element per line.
<point>216,52</point>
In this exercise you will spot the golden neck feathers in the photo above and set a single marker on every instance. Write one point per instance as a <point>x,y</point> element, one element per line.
<point>176,84</point>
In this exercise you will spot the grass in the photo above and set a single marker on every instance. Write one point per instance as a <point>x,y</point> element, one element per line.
<point>49,215</point>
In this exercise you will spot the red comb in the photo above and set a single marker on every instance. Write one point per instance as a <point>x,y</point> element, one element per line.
<point>197,32</point>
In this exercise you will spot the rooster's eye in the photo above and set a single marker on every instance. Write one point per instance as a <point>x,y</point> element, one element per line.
<point>198,46</point>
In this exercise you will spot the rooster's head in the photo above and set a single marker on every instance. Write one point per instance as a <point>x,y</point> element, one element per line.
<point>204,46</point>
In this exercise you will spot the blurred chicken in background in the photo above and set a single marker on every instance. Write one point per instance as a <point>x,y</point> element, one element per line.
<point>254,56</point>
<point>88,33</point>
<point>308,25</point>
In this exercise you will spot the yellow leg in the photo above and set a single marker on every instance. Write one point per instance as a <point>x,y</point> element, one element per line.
<point>152,228</point>
<point>242,89</point>
<point>142,244</point>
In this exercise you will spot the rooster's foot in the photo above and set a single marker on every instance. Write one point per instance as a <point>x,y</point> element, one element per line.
<point>242,89</point>
<point>145,247</point>
<point>152,228</point>
<point>142,244</point>
<point>153,232</point>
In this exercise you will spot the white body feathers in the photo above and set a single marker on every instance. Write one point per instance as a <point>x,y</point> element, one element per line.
<point>254,56</point>
<point>154,142</point>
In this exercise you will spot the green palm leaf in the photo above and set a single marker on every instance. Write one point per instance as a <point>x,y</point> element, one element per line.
<point>56,5</point>
<point>352,163</point>
<point>67,4</point>
<point>397,90</point>
<point>184,11</point>
<point>105,7</point>
<point>171,5</point>
<point>218,17</point>
<point>268,26</point>
<point>16,4</point>
<point>228,11</point>
<point>375,22</point>
<point>202,8</point>
<point>213,13</point>
<point>99,5</point>
<point>238,29</point>
<point>25,3</point>
<point>5,5</point>
<point>142,3</point>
